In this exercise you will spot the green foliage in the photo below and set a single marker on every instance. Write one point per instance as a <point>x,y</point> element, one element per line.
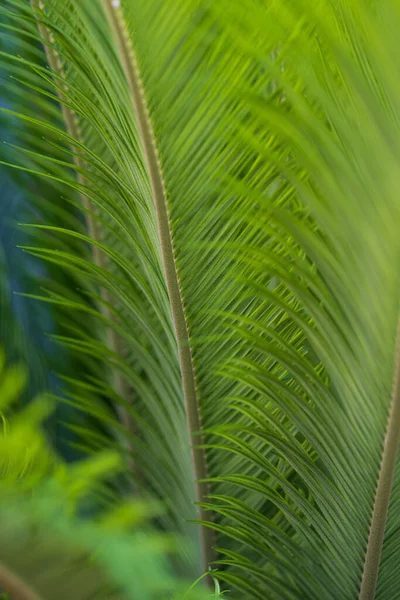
<point>275,175</point>
<point>47,545</point>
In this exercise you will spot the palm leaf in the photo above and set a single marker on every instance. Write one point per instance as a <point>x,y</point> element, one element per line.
<point>40,198</point>
<point>252,258</point>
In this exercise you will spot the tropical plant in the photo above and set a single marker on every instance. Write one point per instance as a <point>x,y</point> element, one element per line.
<point>233,293</point>
<point>49,549</point>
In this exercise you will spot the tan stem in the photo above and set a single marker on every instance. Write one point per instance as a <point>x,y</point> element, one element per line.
<point>130,66</point>
<point>14,586</point>
<point>384,488</point>
<point>94,231</point>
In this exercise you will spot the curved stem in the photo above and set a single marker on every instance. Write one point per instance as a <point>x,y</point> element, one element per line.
<point>130,66</point>
<point>94,231</point>
<point>384,487</point>
<point>14,586</point>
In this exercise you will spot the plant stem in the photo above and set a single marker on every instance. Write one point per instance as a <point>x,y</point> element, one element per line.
<point>94,231</point>
<point>130,66</point>
<point>384,487</point>
<point>14,586</point>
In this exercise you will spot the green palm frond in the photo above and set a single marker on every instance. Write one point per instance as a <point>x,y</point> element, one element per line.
<point>43,197</point>
<point>238,164</point>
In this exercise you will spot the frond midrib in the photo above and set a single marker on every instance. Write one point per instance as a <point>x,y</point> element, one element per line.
<point>384,487</point>
<point>94,231</point>
<point>149,147</point>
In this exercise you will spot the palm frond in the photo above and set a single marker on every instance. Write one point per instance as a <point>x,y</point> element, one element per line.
<point>274,210</point>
